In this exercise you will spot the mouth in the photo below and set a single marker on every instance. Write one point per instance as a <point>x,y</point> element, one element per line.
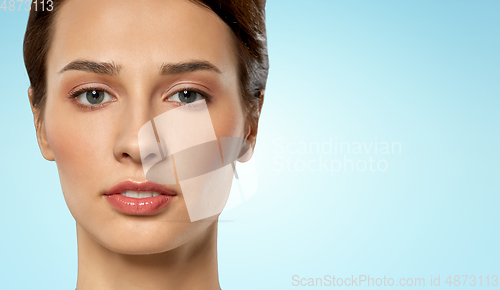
<point>140,194</point>
<point>139,198</point>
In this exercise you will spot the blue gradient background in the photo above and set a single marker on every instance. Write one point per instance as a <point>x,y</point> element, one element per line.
<point>425,74</point>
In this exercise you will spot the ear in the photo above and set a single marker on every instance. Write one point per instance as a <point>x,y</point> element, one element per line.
<point>251,132</point>
<point>41,134</point>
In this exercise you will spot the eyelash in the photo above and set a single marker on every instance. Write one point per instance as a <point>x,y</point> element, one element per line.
<point>206,96</point>
<point>74,95</point>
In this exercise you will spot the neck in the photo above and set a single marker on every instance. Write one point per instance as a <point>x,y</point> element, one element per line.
<point>190,266</point>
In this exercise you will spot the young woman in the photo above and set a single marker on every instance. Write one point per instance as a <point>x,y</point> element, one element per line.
<point>99,71</point>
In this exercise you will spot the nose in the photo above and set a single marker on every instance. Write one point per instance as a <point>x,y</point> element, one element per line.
<point>126,147</point>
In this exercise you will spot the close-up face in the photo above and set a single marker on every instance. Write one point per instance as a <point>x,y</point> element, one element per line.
<point>113,66</point>
<point>146,116</point>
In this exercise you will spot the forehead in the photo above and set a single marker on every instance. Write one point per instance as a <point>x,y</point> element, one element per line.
<point>137,34</point>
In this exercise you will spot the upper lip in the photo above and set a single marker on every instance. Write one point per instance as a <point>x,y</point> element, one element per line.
<point>139,186</point>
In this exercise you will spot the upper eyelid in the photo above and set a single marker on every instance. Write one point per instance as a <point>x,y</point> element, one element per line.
<point>192,90</point>
<point>187,88</point>
<point>187,84</point>
<point>88,87</point>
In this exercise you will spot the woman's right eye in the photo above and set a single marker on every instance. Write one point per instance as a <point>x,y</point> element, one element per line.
<point>94,97</point>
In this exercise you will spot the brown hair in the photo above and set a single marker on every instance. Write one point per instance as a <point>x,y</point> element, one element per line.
<point>246,18</point>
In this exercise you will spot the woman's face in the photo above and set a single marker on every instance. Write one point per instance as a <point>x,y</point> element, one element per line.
<point>124,45</point>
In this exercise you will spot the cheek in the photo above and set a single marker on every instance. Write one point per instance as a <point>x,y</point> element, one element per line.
<point>79,146</point>
<point>228,120</point>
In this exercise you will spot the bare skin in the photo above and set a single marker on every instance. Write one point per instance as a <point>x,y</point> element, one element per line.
<point>96,148</point>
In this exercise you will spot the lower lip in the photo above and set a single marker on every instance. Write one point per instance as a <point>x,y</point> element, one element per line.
<point>139,206</point>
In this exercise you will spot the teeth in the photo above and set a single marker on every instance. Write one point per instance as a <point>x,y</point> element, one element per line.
<point>140,194</point>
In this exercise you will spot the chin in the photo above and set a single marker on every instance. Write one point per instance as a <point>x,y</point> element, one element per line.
<point>146,249</point>
<point>140,245</point>
<point>155,238</point>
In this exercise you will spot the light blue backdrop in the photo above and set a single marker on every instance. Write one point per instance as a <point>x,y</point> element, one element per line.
<point>421,77</point>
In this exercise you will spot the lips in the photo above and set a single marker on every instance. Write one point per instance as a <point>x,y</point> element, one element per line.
<point>139,198</point>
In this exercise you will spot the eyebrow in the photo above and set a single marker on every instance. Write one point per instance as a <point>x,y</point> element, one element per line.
<point>102,68</point>
<point>110,68</point>
<point>184,67</point>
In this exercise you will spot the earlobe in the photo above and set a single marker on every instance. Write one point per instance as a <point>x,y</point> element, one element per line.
<point>30,97</point>
<point>43,143</point>
<point>246,151</point>
<point>41,134</point>
<point>262,93</point>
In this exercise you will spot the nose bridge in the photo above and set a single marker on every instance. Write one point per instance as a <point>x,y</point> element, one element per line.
<point>135,112</point>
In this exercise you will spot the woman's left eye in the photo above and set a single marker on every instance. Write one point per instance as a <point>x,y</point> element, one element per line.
<point>94,97</point>
<point>186,97</point>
